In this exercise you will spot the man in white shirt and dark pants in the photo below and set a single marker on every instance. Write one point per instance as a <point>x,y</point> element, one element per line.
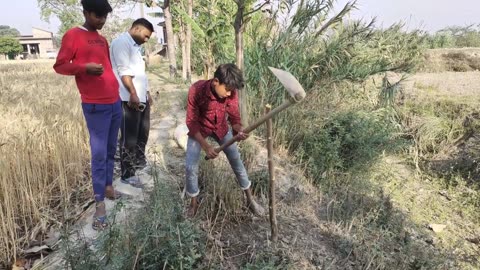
<point>129,68</point>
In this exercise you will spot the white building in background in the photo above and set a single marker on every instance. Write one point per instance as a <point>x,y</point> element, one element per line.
<point>38,45</point>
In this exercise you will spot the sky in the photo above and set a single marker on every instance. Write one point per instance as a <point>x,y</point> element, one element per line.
<point>430,15</point>
<point>25,14</point>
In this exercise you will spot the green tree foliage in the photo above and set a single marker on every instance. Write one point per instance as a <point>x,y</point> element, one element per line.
<point>455,37</point>
<point>115,25</point>
<point>7,31</point>
<point>69,12</point>
<point>216,44</point>
<point>329,55</point>
<point>10,46</point>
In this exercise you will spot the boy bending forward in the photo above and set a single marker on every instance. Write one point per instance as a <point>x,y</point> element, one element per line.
<point>210,104</point>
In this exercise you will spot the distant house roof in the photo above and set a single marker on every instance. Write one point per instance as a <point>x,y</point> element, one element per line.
<point>25,38</point>
<point>32,37</point>
<point>42,30</point>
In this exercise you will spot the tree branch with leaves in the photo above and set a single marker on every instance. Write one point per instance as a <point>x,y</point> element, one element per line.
<point>245,9</point>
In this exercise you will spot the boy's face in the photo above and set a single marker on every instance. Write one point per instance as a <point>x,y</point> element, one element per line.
<point>221,89</point>
<point>94,20</point>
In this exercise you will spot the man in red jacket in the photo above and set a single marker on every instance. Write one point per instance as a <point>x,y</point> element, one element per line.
<point>85,54</point>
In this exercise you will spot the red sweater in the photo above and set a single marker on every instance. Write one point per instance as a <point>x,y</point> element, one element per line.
<point>80,47</point>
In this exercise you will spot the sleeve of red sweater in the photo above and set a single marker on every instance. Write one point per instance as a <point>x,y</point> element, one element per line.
<point>67,53</point>
<point>233,110</point>
<point>193,111</point>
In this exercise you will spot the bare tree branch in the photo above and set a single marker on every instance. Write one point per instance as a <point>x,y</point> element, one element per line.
<point>257,9</point>
<point>337,18</point>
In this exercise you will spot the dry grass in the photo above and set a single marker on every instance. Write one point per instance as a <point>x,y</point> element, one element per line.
<point>454,59</point>
<point>445,84</point>
<point>439,110</point>
<point>44,153</point>
<point>426,200</point>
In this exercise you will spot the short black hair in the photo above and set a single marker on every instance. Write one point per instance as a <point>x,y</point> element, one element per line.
<point>230,75</point>
<point>143,22</point>
<point>99,7</point>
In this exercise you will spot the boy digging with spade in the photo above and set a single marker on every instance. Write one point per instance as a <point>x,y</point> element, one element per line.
<point>211,103</point>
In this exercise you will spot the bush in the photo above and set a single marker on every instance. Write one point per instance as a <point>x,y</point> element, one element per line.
<point>350,140</point>
<point>454,37</point>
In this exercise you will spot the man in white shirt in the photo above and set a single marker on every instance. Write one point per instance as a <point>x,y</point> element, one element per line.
<point>129,68</point>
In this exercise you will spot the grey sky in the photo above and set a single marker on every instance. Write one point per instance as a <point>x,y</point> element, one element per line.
<point>25,14</point>
<point>429,15</point>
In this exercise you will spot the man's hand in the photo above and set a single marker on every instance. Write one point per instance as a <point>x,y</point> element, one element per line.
<point>210,151</point>
<point>94,69</point>
<point>150,99</point>
<point>134,101</point>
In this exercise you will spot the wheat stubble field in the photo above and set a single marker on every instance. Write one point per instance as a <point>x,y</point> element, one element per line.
<point>44,153</point>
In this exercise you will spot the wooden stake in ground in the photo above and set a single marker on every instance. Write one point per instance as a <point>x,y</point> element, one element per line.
<point>271,173</point>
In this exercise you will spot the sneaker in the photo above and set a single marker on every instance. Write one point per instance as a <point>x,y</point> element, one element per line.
<point>133,181</point>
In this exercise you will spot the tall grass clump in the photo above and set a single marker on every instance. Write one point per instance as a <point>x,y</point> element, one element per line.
<point>332,58</point>
<point>155,236</point>
<point>221,195</point>
<point>326,53</point>
<point>43,153</point>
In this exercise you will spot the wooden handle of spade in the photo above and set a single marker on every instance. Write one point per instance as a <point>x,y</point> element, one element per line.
<point>287,103</point>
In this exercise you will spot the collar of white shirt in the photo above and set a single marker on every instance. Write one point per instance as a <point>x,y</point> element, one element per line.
<point>130,39</point>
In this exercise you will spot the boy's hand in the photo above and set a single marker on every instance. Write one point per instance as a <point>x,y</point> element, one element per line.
<point>94,69</point>
<point>211,153</point>
<point>240,134</point>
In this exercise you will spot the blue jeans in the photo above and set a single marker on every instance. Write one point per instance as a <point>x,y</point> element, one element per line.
<point>193,156</point>
<point>103,123</point>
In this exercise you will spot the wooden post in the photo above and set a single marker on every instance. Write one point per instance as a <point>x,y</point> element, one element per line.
<point>271,173</point>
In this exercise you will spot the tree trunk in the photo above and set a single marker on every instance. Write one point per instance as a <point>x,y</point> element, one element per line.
<point>239,28</point>
<point>239,38</point>
<point>189,42</point>
<point>184,50</point>
<point>210,62</point>
<point>170,39</point>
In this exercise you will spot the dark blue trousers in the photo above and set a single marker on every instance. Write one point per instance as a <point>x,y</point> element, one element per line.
<point>103,122</point>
